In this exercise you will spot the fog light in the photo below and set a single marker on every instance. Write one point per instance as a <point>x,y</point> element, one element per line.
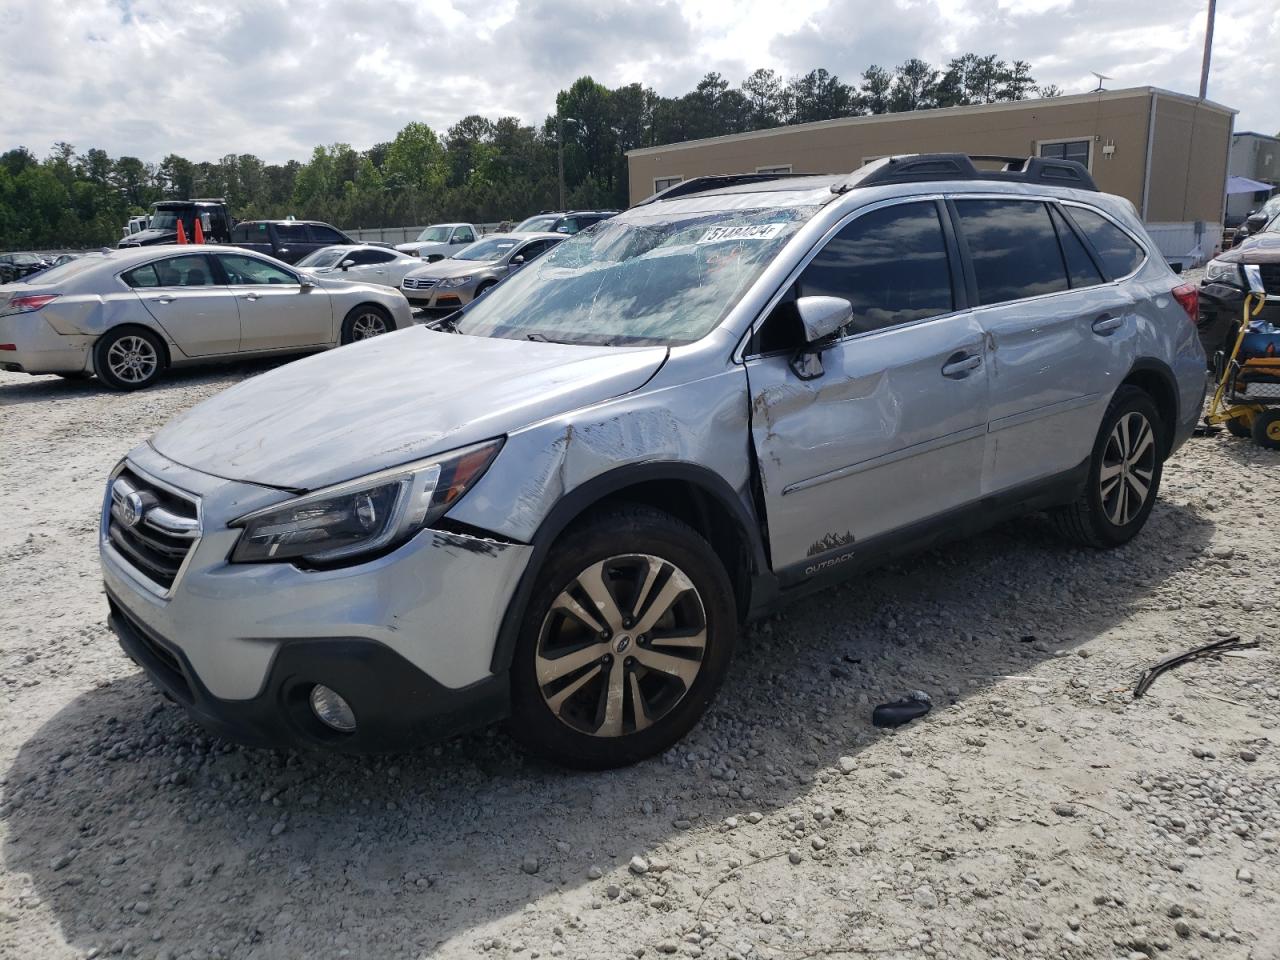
<point>332,710</point>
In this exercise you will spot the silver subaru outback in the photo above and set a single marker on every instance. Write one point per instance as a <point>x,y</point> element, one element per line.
<point>558,505</point>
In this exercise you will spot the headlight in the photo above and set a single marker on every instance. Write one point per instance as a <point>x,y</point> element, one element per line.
<point>362,516</point>
<point>453,281</point>
<point>1222,271</point>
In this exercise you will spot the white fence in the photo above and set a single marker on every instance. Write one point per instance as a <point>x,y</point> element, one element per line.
<point>404,234</point>
<point>1190,243</point>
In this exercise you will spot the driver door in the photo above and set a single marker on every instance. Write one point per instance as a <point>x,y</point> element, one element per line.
<point>276,312</point>
<point>890,427</point>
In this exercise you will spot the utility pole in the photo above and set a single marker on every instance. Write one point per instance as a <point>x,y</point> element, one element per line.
<point>1208,49</point>
<point>560,137</point>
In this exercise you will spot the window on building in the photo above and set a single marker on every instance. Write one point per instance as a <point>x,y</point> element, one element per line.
<point>1077,150</point>
<point>780,168</point>
<point>661,183</point>
<point>1014,249</point>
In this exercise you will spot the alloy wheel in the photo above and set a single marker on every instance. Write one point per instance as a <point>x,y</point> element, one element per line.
<point>132,359</point>
<point>368,325</point>
<point>621,645</point>
<point>1128,465</point>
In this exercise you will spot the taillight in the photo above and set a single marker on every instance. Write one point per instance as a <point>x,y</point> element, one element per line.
<point>28,304</point>
<point>1188,297</point>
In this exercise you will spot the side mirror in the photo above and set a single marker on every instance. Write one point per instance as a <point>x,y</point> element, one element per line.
<point>1256,222</point>
<point>305,285</point>
<point>347,263</point>
<point>517,260</point>
<point>821,318</point>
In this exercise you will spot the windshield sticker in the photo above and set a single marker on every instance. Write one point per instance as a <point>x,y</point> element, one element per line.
<point>756,231</point>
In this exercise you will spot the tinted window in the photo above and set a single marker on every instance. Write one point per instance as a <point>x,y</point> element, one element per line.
<point>243,233</point>
<point>1014,249</point>
<point>891,264</point>
<point>292,232</point>
<point>320,233</point>
<point>568,225</point>
<point>1081,270</point>
<point>1120,255</point>
<point>464,235</point>
<point>188,271</point>
<point>360,257</point>
<point>250,270</point>
<point>380,256</point>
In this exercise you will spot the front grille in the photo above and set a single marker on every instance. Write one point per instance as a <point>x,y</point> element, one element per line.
<point>419,283</point>
<point>1270,277</point>
<point>152,527</point>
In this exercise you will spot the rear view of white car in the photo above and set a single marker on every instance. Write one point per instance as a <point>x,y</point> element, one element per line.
<point>128,315</point>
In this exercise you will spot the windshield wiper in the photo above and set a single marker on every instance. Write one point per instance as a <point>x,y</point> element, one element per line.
<point>536,336</point>
<point>448,324</point>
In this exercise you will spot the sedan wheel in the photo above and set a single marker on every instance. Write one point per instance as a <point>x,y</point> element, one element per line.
<point>365,322</point>
<point>621,645</point>
<point>1128,465</point>
<point>132,359</point>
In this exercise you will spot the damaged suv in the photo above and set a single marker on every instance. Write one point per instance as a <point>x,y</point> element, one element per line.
<point>559,504</point>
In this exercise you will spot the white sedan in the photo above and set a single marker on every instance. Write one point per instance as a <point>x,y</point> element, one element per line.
<point>366,263</point>
<point>127,315</point>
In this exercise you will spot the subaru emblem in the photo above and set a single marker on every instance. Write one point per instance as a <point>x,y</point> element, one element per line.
<point>133,509</point>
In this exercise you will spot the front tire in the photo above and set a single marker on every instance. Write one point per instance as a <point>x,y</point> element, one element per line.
<point>1124,475</point>
<point>366,322</point>
<point>1266,429</point>
<point>128,358</point>
<point>627,636</point>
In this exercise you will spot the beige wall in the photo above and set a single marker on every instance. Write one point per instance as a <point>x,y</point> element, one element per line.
<point>1188,162</point>
<point>1014,130</point>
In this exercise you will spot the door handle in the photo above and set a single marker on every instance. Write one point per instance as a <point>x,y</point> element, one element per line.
<point>165,299</point>
<point>1107,323</point>
<point>252,296</point>
<point>960,365</point>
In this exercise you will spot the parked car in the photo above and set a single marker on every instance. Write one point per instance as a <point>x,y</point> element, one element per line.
<point>135,225</point>
<point>1257,220</point>
<point>440,240</point>
<point>566,223</point>
<point>364,263</point>
<point>14,266</point>
<point>287,240</point>
<point>449,284</point>
<point>162,225</point>
<point>128,315</point>
<point>559,504</point>
<point>1228,278</point>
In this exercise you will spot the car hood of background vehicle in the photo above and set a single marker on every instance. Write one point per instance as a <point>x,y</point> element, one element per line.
<point>390,400</point>
<point>426,246</point>
<point>1260,248</point>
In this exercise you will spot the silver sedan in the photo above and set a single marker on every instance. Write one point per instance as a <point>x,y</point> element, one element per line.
<point>127,315</point>
<point>364,263</point>
<point>455,281</point>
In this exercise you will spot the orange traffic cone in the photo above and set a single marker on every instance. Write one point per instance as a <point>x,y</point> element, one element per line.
<point>198,233</point>
<point>182,233</point>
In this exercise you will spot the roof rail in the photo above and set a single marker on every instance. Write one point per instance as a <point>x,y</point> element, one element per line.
<point>698,184</point>
<point>914,168</point>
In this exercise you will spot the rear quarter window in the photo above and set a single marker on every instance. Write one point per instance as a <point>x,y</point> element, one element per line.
<point>1119,253</point>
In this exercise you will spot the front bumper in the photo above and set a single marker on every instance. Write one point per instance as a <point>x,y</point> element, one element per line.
<point>451,298</point>
<point>40,348</point>
<point>410,635</point>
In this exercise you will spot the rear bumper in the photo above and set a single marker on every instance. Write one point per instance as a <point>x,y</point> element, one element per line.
<point>396,705</point>
<point>39,348</point>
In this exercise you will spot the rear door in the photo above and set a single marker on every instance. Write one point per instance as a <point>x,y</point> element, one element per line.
<point>184,296</point>
<point>1053,326</point>
<point>276,312</point>
<point>892,428</point>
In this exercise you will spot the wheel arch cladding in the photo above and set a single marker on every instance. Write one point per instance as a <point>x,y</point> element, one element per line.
<point>1155,379</point>
<point>689,492</point>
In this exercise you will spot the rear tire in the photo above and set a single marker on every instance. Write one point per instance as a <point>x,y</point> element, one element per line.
<point>1124,475</point>
<point>1266,429</point>
<point>1238,428</point>
<point>128,358</point>
<point>365,322</point>
<point>627,636</point>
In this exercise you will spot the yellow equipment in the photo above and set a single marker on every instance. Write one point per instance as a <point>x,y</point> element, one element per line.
<point>1231,406</point>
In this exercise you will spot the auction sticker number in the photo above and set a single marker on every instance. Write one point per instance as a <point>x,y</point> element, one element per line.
<point>757,231</point>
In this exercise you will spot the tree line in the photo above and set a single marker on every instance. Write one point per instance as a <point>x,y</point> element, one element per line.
<point>480,170</point>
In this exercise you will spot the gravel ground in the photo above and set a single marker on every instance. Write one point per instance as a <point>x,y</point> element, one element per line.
<point>1037,811</point>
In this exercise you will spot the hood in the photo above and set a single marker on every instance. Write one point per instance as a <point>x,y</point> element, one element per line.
<point>392,399</point>
<point>1260,248</point>
<point>147,238</point>
<point>424,247</point>
<point>449,267</point>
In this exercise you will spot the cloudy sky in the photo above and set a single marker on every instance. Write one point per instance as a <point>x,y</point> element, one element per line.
<point>275,78</point>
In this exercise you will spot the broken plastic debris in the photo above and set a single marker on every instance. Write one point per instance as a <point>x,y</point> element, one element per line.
<point>902,711</point>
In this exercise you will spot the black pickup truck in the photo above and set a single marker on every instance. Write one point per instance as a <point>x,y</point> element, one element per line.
<point>287,240</point>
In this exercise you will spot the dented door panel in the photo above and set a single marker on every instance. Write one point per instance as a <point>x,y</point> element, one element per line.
<point>881,439</point>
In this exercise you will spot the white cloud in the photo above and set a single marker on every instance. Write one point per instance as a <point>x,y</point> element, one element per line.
<point>207,77</point>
